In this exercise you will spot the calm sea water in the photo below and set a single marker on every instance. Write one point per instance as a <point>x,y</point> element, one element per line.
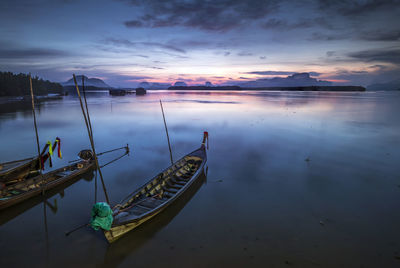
<point>302,179</point>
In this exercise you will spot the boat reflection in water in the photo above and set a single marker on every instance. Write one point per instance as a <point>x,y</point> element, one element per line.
<point>130,242</point>
<point>10,213</point>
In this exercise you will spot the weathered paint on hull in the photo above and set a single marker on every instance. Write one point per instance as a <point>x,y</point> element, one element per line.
<point>20,198</point>
<point>116,232</point>
<point>18,172</point>
<point>120,229</point>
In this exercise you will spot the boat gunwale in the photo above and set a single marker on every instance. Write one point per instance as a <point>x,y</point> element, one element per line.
<point>165,204</point>
<point>21,160</point>
<point>124,200</point>
<point>19,168</point>
<point>30,193</point>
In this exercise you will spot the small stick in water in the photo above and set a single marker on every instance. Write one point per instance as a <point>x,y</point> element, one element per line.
<point>76,229</point>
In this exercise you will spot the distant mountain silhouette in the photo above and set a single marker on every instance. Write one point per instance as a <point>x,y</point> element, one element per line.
<point>392,85</point>
<point>180,84</point>
<point>295,80</point>
<point>144,85</point>
<point>147,85</point>
<point>90,82</point>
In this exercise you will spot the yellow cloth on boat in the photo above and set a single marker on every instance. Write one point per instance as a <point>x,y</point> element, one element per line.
<point>50,148</point>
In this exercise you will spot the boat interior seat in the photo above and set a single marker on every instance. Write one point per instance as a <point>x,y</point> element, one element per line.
<point>180,179</point>
<point>151,202</point>
<point>176,182</point>
<point>170,184</point>
<point>141,206</point>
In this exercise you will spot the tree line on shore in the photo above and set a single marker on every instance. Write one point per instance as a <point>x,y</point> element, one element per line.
<point>18,85</point>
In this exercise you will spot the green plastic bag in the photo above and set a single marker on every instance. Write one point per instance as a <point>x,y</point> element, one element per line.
<point>101,216</point>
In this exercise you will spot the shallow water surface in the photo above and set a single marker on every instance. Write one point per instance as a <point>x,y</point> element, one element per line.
<point>302,179</point>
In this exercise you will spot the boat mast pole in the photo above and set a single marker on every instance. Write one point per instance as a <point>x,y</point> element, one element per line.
<point>34,122</point>
<point>91,140</point>
<point>87,110</point>
<point>166,130</point>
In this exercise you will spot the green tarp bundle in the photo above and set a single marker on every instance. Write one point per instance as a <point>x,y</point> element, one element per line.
<point>101,216</point>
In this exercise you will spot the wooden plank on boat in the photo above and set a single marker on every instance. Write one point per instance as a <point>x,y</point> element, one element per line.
<point>152,202</point>
<point>18,192</point>
<point>138,210</point>
<point>15,171</point>
<point>176,182</point>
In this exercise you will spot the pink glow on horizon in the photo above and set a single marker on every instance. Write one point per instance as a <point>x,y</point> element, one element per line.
<point>234,76</point>
<point>337,80</point>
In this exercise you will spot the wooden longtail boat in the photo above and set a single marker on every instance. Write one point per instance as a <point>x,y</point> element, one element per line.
<point>18,192</point>
<point>16,210</point>
<point>118,251</point>
<point>11,172</point>
<point>156,195</point>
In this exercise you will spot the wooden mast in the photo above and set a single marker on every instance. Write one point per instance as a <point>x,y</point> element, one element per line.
<point>87,110</point>
<point>166,130</point>
<point>91,139</point>
<point>34,122</point>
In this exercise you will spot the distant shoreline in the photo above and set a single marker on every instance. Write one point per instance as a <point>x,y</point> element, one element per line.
<point>306,88</point>
<point>72,89</point>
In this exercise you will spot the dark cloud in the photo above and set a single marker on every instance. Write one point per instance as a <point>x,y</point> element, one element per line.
<point>105,66</point>
<point>380,67</point>
<point>317,36</point>
<point>116,76</point>
<point>348,72</point>
<point>128,43</point>
<point>136,77</point>
<point>279,73</point>
<point>187,44</point>
<point>195,43</point>
<point>372,35</point>
<point>270,73</point>
<point>217,15</point>
<point>263,57</point>
<point>175,55</point>
<point>201,79</point>
<point>275,24</point>
<point>227,53</point>
<point>353,8</point>
<point>31,53</point>
<point>374,74</point>
<point>362,20</point>
<point>330,53</point>
<point>283,24</point>
<point>378,35</point>
<point>191,43</point>
<point>244,54</point>
<point>113,78</point>
<point>389,55</point>
<point>133,23</point>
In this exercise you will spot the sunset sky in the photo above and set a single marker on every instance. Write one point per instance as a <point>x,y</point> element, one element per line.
<point>222,41</point>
